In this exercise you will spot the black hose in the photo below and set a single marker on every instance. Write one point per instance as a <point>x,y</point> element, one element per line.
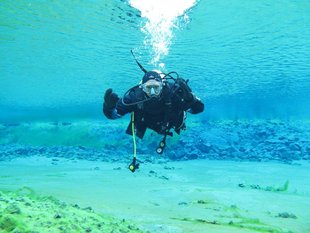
<point>141,67</point>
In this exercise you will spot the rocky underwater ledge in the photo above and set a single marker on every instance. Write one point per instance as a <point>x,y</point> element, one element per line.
<point>257,140</point>
<point>23,211</point>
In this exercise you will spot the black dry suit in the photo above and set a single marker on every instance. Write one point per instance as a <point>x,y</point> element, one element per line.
<point>159,114</point>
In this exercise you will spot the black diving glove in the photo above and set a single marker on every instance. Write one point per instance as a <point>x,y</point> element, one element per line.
<point>185,90</point>
<point>110,100</point>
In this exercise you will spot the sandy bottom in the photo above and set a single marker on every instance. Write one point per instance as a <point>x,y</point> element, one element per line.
<point>190,196</point>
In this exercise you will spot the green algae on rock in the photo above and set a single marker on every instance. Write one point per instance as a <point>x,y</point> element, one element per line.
<point>24,211</point>
<point>282,188</point>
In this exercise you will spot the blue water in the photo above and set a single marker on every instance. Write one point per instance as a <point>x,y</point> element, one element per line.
<point>249,63</point>
<point>244,59</point>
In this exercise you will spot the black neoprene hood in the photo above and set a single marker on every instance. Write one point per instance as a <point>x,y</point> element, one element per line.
<point>151,75</point>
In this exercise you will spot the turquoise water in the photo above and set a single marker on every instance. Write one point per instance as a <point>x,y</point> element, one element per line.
<point>241,166</point>
<point>244,59</point>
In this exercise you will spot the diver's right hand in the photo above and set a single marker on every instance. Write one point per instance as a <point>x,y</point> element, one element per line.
<point>110,99</point>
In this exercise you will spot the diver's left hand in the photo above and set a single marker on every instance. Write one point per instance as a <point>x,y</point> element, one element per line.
<point>186,91</point>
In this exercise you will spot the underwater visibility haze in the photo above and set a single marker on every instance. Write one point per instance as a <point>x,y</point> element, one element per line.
<point>241,166</point>
<point>58,58</point>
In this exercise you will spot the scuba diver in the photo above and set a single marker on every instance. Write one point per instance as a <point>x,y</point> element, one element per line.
<point>156,103</point>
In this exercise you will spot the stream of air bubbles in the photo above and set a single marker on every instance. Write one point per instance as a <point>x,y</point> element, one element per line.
<point>162,17</point>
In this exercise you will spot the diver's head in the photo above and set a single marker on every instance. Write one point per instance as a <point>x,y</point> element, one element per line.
<point>152,84</point>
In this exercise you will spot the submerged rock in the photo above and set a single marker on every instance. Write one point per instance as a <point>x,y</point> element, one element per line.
<point>246,140</point>
<point>57,216</point>
<point>13,209</point>
<point>286,215</point>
